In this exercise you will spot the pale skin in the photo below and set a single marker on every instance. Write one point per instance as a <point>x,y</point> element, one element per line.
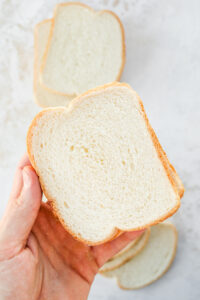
<point>39,259</point>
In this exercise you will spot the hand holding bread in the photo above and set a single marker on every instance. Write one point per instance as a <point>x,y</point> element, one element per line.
<point>100,145</point>
<point>98,161</point>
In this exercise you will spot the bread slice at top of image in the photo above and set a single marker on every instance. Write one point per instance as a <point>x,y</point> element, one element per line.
<point>85,49</point>
<point>44,97</point>
<point>101,166</point>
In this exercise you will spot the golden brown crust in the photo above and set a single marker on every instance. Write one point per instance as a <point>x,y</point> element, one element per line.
<point>129,257</point>
<point>72,105</point>
<point>174,176</point>
<point>171,261</point>
<point>179,183</point>
<point>51,34</point>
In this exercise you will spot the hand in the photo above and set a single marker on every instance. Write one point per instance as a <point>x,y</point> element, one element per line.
<point>38,258</point>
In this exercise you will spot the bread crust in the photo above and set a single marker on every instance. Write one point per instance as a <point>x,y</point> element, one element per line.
<point>158,277</point>
<point>51,34</point>
<point>116,231</point>
<point>147,234</point>
<point>180,185</point>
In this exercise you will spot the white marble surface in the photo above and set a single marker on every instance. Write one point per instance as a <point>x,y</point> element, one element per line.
<point>163,65</point>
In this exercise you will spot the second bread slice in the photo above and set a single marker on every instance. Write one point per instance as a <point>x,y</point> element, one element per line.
<point>152,262</point>
<point>85,49</point>
<point>127,253</point>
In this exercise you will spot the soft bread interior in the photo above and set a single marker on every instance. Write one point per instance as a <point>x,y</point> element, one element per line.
<point>86,49</point>
<point>99,165</point>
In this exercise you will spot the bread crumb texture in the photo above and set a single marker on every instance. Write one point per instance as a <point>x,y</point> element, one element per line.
<point>99,166</point>
<point>94,42</point>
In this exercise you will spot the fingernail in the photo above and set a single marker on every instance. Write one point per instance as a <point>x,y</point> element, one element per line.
<point>26,177</point>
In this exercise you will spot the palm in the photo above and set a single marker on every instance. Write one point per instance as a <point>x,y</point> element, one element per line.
<point>63,257</point>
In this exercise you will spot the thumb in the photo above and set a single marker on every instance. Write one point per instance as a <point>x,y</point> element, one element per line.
<point>21,212</point>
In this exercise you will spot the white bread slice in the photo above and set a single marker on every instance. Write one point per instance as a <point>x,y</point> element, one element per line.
<point>100,164</point>
<point>85,49</point>
<point>127,254</point>
<point>152,262</point>
<point>43,97</point>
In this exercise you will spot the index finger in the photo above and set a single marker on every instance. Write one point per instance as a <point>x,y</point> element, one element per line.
<point>105,251</point>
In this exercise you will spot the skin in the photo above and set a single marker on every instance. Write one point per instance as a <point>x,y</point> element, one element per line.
<point>39,259</point>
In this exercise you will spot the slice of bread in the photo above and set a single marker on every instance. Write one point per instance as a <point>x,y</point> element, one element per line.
<point>43,97</point>
<point>127,254</point>
<point>85,49</point>
<point>152,262</point>
<point>100,164</point>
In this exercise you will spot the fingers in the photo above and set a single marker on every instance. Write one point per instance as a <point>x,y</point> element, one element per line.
<point>106,251</point>
<point>21,211</point>
<point>17,184</point>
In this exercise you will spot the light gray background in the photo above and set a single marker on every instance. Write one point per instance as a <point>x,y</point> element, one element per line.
<point>163,66</point>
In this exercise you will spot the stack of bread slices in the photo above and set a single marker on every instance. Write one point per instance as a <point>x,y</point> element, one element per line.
<point>100,164</point>
<point>78,49</point>
<point>146,261</point>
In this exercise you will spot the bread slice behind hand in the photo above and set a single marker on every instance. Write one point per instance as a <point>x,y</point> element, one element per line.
<point>126,254</point>
<point>152,262</point>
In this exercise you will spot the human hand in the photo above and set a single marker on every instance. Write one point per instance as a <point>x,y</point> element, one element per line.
<point>39,259</point>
